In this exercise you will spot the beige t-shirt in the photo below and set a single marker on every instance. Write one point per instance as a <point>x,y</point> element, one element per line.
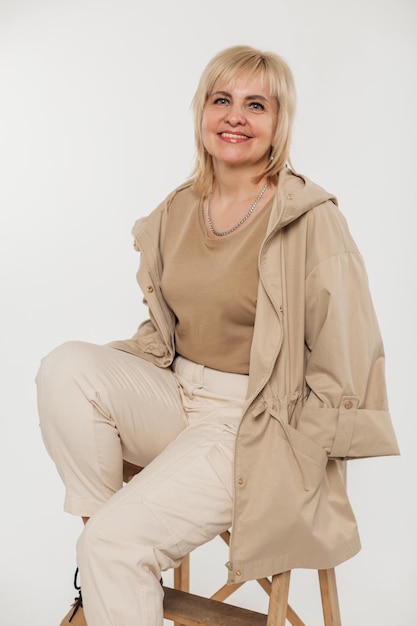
<point>211,285</point>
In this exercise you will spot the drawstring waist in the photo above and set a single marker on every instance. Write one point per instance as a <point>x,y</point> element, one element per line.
<point>292,436</point>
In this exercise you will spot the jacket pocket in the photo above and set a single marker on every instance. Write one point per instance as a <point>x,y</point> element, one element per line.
<point>308,447</point>
<point>308,456</point>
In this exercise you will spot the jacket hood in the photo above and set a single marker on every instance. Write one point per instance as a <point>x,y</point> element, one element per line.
<point>296,194</point>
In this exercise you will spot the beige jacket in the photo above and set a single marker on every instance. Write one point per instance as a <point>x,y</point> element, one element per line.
<point>316,392</point>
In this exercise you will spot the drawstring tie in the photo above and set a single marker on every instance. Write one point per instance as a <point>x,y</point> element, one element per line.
<point>79,600</point>
<point>78,604</point>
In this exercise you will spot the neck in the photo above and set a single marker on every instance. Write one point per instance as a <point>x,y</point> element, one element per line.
<point>235,184</point>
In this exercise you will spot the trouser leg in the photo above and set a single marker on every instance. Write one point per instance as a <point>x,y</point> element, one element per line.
<point>178,502</point>
<point>98,405</point>
<point>181,500</point>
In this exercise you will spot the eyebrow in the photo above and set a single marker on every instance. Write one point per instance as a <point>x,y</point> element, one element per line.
<point>229,95</point>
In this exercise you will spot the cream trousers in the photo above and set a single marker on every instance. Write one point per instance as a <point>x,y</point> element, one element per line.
<point>98,406</point>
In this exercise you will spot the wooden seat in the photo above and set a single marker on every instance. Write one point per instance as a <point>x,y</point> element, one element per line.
<point>186,609</point>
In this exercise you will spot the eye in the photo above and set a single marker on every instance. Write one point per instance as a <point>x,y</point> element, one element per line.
<point>256,106</point>
<point>221,100</point>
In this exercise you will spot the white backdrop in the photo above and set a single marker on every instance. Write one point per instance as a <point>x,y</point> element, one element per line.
<point>95,129</point>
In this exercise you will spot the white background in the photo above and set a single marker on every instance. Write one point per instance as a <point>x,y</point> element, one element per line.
<point>95,129</point>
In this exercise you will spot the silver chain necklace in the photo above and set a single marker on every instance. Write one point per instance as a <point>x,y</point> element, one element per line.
<point>244,218</point>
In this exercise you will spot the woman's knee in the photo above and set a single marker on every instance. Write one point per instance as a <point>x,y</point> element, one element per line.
<point>64,361</point>
<point>103,539</point>
<point>66,371</point>
<point>62,383</point>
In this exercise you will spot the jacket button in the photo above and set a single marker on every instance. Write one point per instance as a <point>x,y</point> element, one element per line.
<point>238,572</point>
<point>149,289</point>
<point>229,565</point>
<point>348,404</point>
<point>290,196</point>
<point>240,481</point>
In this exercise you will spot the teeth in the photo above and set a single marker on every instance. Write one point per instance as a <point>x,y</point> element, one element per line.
<point>234,136</point>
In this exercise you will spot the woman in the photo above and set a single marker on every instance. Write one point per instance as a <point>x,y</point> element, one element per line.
<point>260,370</point>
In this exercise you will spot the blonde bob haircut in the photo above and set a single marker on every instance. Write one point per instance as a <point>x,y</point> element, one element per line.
<point>227,66</point>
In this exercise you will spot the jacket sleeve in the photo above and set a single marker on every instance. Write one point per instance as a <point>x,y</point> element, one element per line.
<point>346,409</point>
<point>146,343</point>
<point>153,339</point>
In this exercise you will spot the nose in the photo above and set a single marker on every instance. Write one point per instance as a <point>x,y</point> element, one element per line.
<point>235,115</point>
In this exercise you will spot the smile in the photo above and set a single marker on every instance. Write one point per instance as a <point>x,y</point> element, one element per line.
<point>233,137</point>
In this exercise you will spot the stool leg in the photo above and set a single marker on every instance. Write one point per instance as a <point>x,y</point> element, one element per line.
<point>329,599</point>
<point>278,601</point>
<point>182,575</point>
<point>182,578</point>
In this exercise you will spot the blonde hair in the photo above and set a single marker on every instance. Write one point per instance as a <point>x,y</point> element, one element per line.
<point>229,65</point>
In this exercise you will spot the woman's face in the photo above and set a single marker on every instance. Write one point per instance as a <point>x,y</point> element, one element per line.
<point>239,123</point>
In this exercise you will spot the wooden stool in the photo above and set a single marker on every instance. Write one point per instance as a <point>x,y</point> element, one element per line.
<point>186,609</point>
